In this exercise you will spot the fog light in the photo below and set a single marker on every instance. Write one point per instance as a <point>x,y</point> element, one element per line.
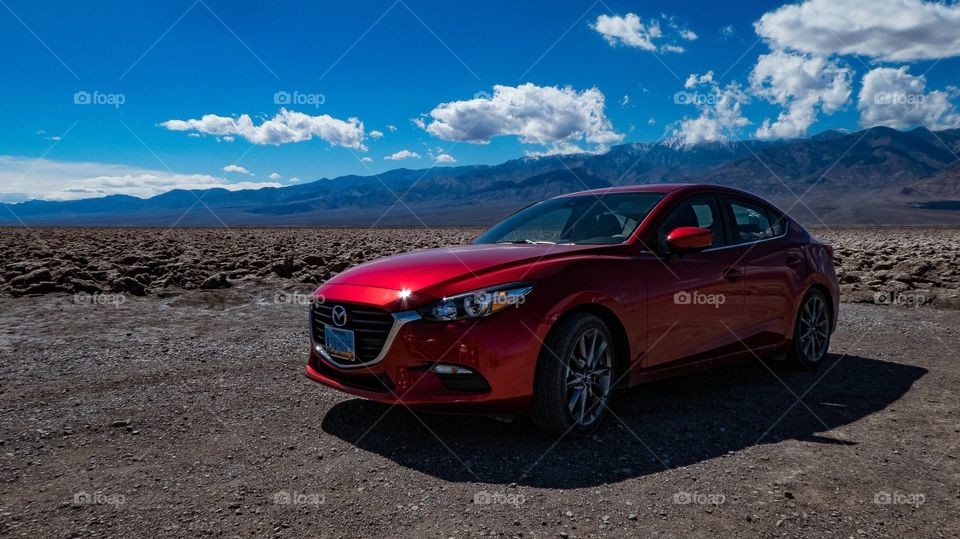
<point>444,368</point>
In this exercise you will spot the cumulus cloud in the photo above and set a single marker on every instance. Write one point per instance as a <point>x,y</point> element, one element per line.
<point>803,85</point>
<point>894,98</point>
<point>631,31</point>
<point>445,158</point>
<point>546,115</point>
<point>236,168</point>
<point>392,128</point>
<point>403,154</point>
<point>376,134</point>
<point>286,126</point>
<point>892,30</point>
<point>274,176</point>
<point>44,179</point>
<point>720,115</point>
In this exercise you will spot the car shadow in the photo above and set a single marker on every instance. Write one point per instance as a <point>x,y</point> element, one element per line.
<point>656,426</point>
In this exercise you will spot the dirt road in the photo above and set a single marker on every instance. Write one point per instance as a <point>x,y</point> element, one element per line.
<point>188,415</point>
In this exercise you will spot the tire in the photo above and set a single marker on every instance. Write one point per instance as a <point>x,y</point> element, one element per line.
<point>811,332</point>
<point>564,373</point>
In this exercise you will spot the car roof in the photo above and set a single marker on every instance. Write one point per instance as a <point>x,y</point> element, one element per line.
<point>664,188</point>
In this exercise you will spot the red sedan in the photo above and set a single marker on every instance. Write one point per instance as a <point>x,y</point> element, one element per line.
<point>566,301</point>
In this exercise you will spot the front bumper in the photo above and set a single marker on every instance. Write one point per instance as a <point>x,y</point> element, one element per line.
<point>501,350</point>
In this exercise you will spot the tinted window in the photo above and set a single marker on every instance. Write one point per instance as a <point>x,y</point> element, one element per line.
<point>776,222</point>
<point>700,211</point>
<point>586,219</point>
<point>751,222</point>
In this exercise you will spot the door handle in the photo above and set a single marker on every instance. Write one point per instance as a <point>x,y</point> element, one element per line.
<point>731,274</point>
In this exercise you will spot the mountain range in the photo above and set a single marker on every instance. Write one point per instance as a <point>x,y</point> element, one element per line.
<point>878,176</point>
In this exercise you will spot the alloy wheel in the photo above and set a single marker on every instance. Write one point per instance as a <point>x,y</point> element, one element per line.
<point>814,329</point>
<point>588,377</point>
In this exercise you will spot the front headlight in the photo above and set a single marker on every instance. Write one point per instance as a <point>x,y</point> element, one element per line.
<point>476,304</point>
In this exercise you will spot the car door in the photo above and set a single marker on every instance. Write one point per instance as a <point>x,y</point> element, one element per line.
<point>770,270</point>
<point>695,300</point>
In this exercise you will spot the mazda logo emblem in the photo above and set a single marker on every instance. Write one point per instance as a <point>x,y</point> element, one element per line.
<point>340,315</point>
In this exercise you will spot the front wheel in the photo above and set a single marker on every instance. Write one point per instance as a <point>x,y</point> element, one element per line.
<point>574,378</point>
<point>811,334</point>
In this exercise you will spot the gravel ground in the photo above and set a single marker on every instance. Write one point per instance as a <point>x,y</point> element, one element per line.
<point>186,413</point>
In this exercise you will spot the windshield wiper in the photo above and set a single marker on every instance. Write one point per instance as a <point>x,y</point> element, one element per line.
<point>529,241</point>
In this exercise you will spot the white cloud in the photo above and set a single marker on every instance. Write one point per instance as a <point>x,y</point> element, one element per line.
<point>376,134</point>
<point>403,154</point>
<point>727,32</point>
<point>630,30</point>
<point>24,178</point>
<point>890,30</point>
<point>445,158</point>
<point>545,115</point>
<point>720,115</point>
<point>392,128</point>
<point>274,176</point>
<point>286,126</point>
<point>895,98</point>
<point>236,168</point>
<point>625,101</point>
<point>366,160</point>
<point>294,180</point>
<point>803,85</point>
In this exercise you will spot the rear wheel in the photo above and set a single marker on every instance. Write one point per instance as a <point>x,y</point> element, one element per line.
<point>575,377</point>
<point>811,334</point>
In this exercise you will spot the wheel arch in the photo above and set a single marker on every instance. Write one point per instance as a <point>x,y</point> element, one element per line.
<point>617,331</point>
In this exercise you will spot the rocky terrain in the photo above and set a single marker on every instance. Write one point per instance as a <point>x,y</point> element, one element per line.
<point>184,412</point>
<point>898,266</point>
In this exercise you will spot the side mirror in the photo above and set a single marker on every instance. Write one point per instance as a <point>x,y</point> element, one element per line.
<point>686,239</point>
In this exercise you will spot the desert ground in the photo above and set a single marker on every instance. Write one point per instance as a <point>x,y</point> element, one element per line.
<point>151,384</point>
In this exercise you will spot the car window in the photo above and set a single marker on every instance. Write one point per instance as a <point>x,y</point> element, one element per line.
<point>700,211</point>
<point>581,220</point>
<point>751,222</point>
<point>776,222</point>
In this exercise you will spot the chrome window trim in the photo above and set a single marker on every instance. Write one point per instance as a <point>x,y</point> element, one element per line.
<point>786,228</point>
<point>399,319</point>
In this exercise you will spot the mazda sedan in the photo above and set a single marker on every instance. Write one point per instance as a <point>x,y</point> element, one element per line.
<point>570,299</point>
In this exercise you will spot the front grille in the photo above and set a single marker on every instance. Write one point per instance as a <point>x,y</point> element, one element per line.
<point>370,327</point>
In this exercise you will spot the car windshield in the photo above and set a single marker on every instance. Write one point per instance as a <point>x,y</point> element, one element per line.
<point>577,220</point>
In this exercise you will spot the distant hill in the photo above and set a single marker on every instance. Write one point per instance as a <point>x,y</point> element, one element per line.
<point>879,176</point>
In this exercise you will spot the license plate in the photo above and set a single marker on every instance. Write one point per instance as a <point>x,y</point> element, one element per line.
<point>339,343</point>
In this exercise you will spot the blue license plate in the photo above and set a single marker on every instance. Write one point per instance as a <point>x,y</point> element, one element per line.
<point>339,343</point>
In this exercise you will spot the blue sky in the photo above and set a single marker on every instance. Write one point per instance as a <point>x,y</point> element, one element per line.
<point>356,69</point>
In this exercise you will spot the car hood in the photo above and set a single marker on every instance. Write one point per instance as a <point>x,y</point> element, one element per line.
<point>433,272</point>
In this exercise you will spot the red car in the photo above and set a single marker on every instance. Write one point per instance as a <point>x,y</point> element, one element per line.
<point>571,298</point>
